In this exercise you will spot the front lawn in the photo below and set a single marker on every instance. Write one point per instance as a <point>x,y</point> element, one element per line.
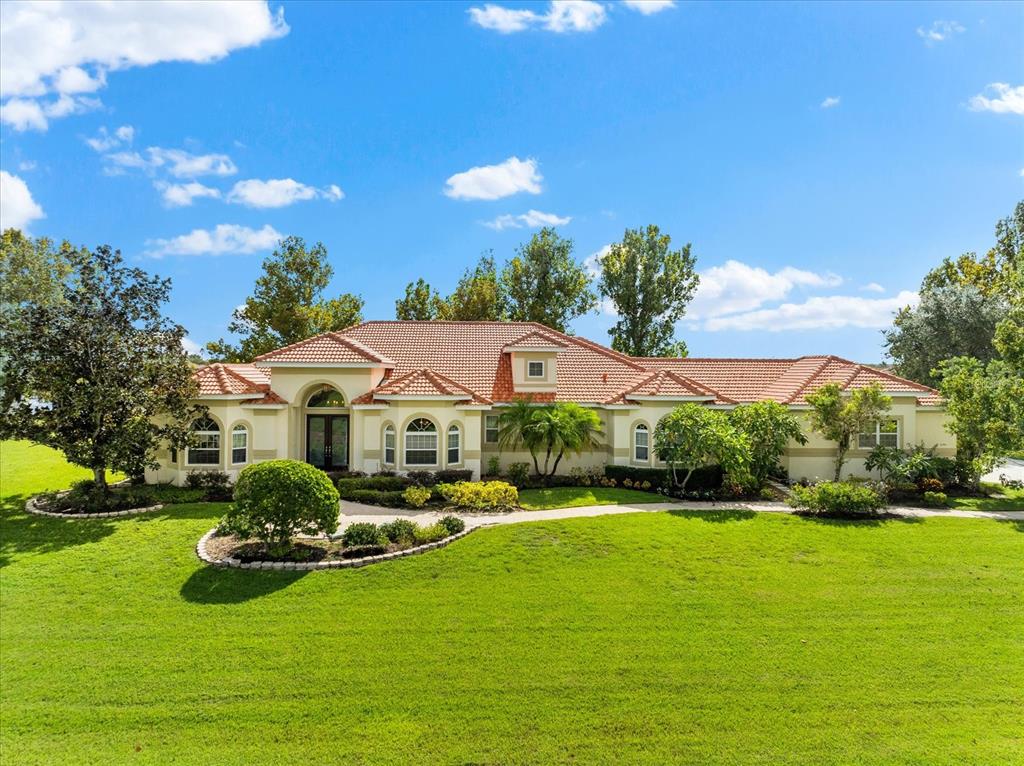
<point>27,469</point>
<point>682,637</point>
<point>574,497</point>
<point>1012,500</point>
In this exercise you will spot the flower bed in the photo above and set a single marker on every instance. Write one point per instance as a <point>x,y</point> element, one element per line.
<point>85,500</point>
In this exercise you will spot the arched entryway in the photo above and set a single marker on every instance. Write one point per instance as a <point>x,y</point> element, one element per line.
<point>327,429</point>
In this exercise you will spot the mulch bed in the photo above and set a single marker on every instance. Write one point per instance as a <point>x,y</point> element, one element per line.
<point>307,550</point>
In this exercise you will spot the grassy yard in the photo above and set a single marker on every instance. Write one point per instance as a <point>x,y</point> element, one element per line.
<point>27,468</point>
<point>713,638</point>
<point>1011,500</point>
<point>574,497</point>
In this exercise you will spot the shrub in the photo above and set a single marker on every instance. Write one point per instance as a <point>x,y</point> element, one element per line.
<point>928,484</point>
<point>423,478</point>
<point>377,497</point>
<point>934,499</point>
<point>586,477</point>
<point>837,498</point>
<point>362,551</point>
<point>216,485</point>
<point>493,466</point>
<point>278,499</point>
<point>519,474</point>
<point>377,483</point>
<point>363,533</point>
<point>708,477</point>
<point>416,497</point>
<point>400,531</point>
<point>453,524</point>
<point>481,495</point>
<point>384,472</point>
<point>431,534</point>
<point>452,475</point>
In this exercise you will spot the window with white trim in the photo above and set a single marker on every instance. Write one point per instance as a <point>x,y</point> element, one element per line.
<point>883,432</point>
<point>641,443</point>
<point>389,445</point>
<point>491,429</point>
<point>205,449</point>
<point>454,445</point>
<point>421,442</point>
<point>535,369</point>
<point>239,445</point>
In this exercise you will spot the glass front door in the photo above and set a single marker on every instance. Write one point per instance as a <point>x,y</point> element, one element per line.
<point>327,441</point>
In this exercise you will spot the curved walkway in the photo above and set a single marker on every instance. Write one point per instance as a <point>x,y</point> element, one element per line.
<point>356,512</point>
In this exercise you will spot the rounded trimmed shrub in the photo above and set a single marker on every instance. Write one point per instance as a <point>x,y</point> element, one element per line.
<point>836,498</point>
<point>453,524</point>
<point>400,531</point>
<point>278,499</point>
<point>363,533</point>
<point>416,497</point>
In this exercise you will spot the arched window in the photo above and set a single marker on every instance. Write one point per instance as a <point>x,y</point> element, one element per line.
<point>326,397</point>
<point>421,443</point>
<point>641,443</point>
<point>389,445</point>
<point>206,443</point>
<point>239,445</point>
<point>454,445</point>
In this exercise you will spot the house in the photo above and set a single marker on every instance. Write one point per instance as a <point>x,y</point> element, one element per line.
<point>427,395</point>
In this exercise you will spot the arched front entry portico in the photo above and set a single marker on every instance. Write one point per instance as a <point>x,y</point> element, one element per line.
<point>327,429</point>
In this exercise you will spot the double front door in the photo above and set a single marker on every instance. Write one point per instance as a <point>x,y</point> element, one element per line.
<point>327,441</point>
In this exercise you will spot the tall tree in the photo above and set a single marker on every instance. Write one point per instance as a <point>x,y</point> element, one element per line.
<point>287,304</point>
<point>421,302</point>
<point>841,418</point>
<point>544,284</point>
<point>31,270</point>
<point>101,374</point>
<point>478,296</point>
<point>650,286</point>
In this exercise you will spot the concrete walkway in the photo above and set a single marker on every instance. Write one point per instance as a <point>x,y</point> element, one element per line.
<point>356,512</point>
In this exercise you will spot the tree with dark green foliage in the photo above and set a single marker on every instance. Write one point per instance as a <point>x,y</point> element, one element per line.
<point>840,417</point>
<point>421,302</point>
<point>478,296</point>
<point>650,286</point>
<point>693,436</point>
<point>32,270</point>
<point>287,304</point>
<point>99,374</point>
<point>769,427</point>
<point>543,283</point>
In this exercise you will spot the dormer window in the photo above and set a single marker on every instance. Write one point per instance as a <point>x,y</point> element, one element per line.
<point>535,369</point>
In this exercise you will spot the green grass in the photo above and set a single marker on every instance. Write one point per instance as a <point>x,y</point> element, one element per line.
<point>26,469</point>
<point>574,497</point>
<point>715,638</point>
<point>1011,500</point>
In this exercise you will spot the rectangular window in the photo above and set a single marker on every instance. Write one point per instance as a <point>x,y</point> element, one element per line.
<point>421,449</point>
<point>535,369</point>
<point>884,432</point>
<point>453,447</point>
<point>389,447</point>
<point>239,446</point>
<point>491,429</point>
<point>641,452</point>
<point>206,451</point>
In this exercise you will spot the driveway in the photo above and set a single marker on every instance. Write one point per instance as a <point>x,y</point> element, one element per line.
<point>356,512</point>
<point>1013,468</point>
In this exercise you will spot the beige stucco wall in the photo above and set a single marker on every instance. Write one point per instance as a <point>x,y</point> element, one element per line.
<point>280,432</point>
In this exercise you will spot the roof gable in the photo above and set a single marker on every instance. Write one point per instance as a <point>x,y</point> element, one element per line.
<point>327,348</point>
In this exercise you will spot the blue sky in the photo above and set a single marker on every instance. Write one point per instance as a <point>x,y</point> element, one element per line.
<point>820,157</point>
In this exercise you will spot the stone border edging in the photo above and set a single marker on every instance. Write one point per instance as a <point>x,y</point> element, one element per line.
<point>308,566</point>
<point>31,507</point>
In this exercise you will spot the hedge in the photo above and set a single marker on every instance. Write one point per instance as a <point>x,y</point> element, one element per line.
<point>707,478</point>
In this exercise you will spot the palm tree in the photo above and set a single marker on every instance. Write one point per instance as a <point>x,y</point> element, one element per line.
<point>557,429</point>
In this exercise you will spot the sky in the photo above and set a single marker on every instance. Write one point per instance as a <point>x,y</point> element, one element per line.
<point>819,157</point>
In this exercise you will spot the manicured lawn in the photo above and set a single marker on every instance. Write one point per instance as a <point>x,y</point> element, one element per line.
<point>573,497</point>
<point>1012,500</point>
<point>713,638</point>
<point>27,468</point>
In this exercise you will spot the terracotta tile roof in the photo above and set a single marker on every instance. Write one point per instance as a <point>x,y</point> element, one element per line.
<point>422,382</point>
<point>220,379</point>
<point>330,347</point>
<point>535,339</point>
<point>669,384</point>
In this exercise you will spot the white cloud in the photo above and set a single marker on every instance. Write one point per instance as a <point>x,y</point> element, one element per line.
<point>191,347</point>
<point>1006,99</point>
<point>592,263</point>
<point>104,141</point>
<point>26,165</point>
<point>649,7</point>
<point>278,192</point>
<point>830,102</point>
<point>735,286</point>
<point>496,181</point>
<point>182,195</point>
<point>182,164</point>
<point>224,239</point>
<point>68,48</point>
<point>561,16</point>
<point>939,31</point>
<point>873,287</point>
<point>819,313</point>
<point>17,208</point>
<point>531,219</point>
